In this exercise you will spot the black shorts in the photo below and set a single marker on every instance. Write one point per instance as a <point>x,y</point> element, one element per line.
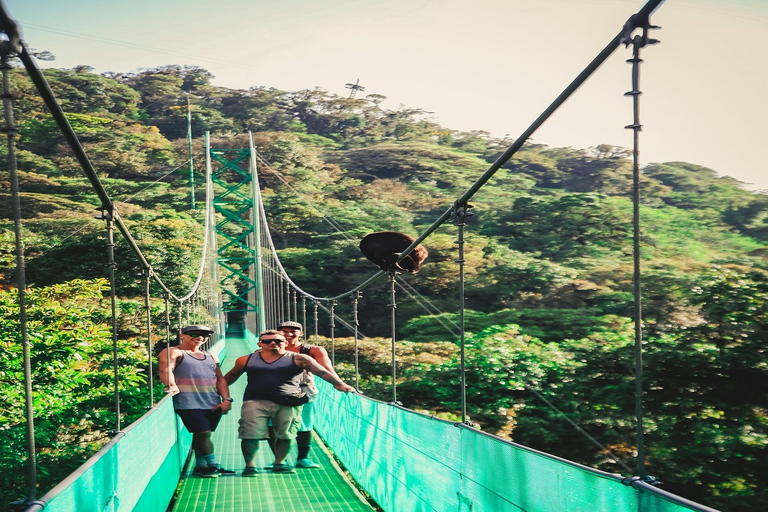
<point>199,420</point>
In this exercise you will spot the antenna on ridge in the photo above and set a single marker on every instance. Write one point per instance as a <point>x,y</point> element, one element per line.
<point>355,87</point>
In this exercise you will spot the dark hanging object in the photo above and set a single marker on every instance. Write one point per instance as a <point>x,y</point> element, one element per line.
<point>385,247</point>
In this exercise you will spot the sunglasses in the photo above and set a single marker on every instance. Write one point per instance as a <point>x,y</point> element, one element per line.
<point>197,334</point>
<point>271,340</point>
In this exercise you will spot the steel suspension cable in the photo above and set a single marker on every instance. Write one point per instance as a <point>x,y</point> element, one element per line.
<point>427,306</point>
<point>634,21</point>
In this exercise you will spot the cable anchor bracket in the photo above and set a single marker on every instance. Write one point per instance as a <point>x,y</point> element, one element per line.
<point>638,22</point>
<point>460,212</point>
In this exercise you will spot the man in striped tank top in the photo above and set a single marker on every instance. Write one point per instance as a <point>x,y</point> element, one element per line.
<point>200,394</point>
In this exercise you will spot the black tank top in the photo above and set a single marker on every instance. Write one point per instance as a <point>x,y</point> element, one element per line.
<point>271,381</point>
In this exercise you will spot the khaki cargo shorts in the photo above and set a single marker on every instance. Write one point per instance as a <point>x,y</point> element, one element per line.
<point>255,416</point>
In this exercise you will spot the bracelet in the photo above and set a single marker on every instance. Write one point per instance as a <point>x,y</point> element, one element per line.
<point>228,399</point>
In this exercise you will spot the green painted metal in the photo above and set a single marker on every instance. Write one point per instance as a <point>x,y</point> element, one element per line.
<point>406,461</point>
<point>233,175</point>
<point>136,471</point>
<point>189,149</point>
<point>412,462</point>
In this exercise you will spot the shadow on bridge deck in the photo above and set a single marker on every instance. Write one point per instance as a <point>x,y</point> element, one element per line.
<point>318,489</point>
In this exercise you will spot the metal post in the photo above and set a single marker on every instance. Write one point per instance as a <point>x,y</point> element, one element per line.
<point>638,41</point>
<point>287,309</point>
<point>147,307</point>
<point>21,278</point>
<point>167,320</point>
<point>189,146</point>
<point>333,332</point>
<point>459,217</point>
<point>356,321</point>
<point>393,308</point>
<point>256,197</point>
<point>109,216</point>
<point>315,315</point>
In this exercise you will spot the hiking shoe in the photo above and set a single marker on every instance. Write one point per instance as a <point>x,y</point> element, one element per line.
<point>250,471</point>
<point>306,463</point>
<point>282,468</point>
<point>206,472</point>
<point>224,472</point>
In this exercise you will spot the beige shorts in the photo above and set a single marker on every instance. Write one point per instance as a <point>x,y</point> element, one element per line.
<point>255,416</point>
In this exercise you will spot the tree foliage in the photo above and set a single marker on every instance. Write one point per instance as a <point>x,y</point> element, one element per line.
<point>547,261</point>
<point>70,342</point>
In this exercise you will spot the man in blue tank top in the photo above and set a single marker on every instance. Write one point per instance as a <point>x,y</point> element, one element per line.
<point>273,393</point>
<point>200,394</point>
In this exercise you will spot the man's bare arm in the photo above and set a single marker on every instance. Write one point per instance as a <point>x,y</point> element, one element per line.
<point>236,371</point>
<point>307,363</point>
<point>167,362</point>
<point>320,355</point>
<point>223,388</point>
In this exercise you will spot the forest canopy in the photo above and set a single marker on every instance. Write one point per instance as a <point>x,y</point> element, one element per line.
<point>548,264</point>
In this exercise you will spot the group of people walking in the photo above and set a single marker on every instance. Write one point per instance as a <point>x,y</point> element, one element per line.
<point>276,404</point>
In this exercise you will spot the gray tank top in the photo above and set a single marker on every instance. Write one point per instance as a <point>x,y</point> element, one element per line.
<point>270,381</point>
<point>196,379</point>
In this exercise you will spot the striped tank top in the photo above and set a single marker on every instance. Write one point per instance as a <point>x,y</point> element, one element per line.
<point>196,380</point>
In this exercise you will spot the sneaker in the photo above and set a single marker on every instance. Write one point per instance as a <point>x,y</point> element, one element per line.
<point>224,472</point>
<point>206,472</point>
<point>306,463</point>
<point>282,468</point>
<point>250,471</point>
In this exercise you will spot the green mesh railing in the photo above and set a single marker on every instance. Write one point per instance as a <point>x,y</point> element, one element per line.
<point>410,461</point>
<point>404,461</point>
<point>136,470</point>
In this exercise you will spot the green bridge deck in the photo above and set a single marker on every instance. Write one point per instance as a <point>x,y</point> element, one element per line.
<point>318,489</point>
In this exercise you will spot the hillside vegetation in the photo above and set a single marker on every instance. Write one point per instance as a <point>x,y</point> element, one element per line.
<point>548,266</point>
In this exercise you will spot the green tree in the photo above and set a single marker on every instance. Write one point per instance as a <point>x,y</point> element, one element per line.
<point>708,396</point>
<point>72,384</point>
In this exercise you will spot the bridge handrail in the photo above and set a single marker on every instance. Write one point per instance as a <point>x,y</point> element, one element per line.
<point>101,481</point>
<point>413,461</point>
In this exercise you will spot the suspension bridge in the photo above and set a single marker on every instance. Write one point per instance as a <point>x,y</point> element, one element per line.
<point>374,455</point>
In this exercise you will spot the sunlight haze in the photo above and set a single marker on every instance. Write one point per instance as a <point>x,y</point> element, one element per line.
<point>491,65</point>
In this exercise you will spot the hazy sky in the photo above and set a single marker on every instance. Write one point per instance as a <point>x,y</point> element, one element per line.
<point>490,65</point>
